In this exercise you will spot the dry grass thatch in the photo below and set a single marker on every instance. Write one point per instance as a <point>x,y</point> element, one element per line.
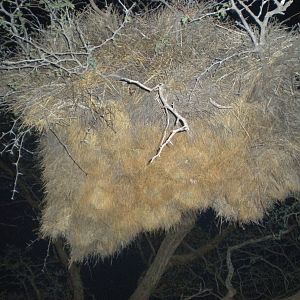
<point>98,133</point>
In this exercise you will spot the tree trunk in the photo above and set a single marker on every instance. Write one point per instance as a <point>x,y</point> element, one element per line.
<point>75,281</point>
<point>165,252</point>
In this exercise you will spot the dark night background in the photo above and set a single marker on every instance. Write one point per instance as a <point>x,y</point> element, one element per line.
<point>19,221</point>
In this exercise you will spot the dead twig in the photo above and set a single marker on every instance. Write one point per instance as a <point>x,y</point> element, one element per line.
<point>179,119</point>
<point>220,106</point>
<point>68,152</point>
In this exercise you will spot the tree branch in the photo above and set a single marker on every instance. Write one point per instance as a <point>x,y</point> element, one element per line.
<point>184,259</point>
<point>179,119</point>
<point>165,252</point>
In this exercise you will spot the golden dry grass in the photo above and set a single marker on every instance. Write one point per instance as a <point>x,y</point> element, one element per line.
<point>238,161</point>
<point>220,167</point>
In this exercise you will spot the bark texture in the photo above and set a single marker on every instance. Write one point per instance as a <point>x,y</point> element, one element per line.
<point>75,281</point>
<point>164,254</point>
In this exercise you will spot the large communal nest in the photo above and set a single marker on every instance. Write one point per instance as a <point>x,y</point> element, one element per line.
<point>98,133</point>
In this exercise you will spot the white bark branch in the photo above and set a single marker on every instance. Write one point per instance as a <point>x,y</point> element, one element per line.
<point>179,119</point>
<point>239,6</point>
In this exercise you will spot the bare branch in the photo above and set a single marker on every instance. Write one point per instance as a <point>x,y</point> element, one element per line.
<point>97,9</point>
<point>245,23</point>
<point>116,32</point>
<point>231,290</point>
<point>239,6</point>
<point>179,120</point>
<point>139,84</point>
<point>167,139</point>
<point>76,59</point>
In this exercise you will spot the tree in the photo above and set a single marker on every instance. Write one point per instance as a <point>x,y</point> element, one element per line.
<point>24,272</point>
<point>77,102</point>
<point>250,262</point>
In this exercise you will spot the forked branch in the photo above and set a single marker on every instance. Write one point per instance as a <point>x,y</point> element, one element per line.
<point>261,18</point>
<point>77,55</point>
<point>180,122</point>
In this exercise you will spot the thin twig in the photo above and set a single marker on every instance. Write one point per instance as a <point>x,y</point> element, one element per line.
<point>67,151</point>
<point>217,105</point>
<point>231,290</point>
